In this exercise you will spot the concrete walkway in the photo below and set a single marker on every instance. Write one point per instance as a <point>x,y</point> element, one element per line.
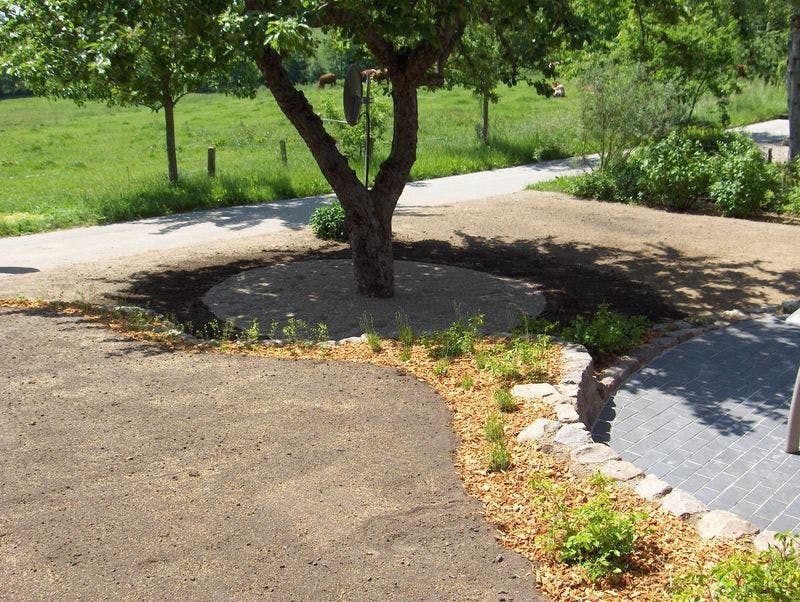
<point>709,417</point>
<point>50,250</point>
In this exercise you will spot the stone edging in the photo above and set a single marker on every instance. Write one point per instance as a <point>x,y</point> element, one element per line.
<point>579,398</point>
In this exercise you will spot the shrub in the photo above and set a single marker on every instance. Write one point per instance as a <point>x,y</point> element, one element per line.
<point>504,400</point>
<point>327,222</point>
<point>623,107</point>
<point>607,332</point>
<point>459,339</point>
<point>595,536</point>
<point>742,178</point>
<point>675,171</point>
<point>520,359</point>
<point>493,429</point>
<point>499,457</point>
<point>772,576</point>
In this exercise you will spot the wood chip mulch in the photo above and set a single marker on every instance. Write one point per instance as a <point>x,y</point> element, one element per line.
<point>667,548</point>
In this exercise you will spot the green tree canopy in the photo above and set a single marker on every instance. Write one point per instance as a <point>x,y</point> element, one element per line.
<point>129,52</point>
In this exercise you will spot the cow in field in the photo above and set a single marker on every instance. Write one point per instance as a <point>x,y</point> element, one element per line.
<point>376,75</point>
<point>327,78</point>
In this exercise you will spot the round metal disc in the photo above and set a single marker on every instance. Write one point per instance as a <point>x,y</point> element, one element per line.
<point>352,95</point>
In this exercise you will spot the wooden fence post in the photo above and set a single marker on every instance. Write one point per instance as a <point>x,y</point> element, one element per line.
<point>212,162</point>
<point>284,158</point>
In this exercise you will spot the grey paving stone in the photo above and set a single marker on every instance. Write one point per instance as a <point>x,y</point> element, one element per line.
<point>785,522</point>
<point>729,498</point>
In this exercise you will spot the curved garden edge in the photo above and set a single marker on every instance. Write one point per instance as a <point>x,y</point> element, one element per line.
<point>580,396</point>
<point>668,545</point>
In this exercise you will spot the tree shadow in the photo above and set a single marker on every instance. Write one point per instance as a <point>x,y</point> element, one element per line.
<point>294,215</point>
<point>736,381</point>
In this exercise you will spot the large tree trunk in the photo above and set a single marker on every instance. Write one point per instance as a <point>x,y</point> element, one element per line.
<point>793,84</point>
<point>368,211</point>
<point>169,118</point>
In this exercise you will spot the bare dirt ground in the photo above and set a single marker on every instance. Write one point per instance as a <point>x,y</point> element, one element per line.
<point>131,472</point>
<point>579,252</point>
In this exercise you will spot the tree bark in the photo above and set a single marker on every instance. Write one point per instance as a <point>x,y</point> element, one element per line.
<point>793,84</point>
<point>368,213</point>
<point>169,118</point>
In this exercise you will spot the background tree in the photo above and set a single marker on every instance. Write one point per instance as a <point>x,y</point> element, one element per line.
<point>133,52</point>
<point>413,41</point>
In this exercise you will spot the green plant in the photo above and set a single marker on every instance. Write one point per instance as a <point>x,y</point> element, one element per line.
<point>405,354</point>
<point>499,457</point>
<point>743,180</point>
<point>607,332</point>
<point>529,325</point>
<point>595,536</point>
<point>297,330</point>
<point>520,359</point>
<point>251,334</point>
<point>368,327</point>
<point>328,222</point>
<point>493,428</point>
<point>459,338</point>
<point>623,107</point>
<point>467,383</point>
<point>769,576</point>
<point>675,171</point>
<point>442,367</point>
<point>405,334</point>
<point>504,400</point>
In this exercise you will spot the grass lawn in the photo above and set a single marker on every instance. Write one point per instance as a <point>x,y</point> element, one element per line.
<point>64,165</point>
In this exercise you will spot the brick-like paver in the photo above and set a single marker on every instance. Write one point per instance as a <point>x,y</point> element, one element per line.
<point>709,416</point>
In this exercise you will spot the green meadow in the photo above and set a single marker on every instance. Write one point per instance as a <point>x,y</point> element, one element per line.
<point>65,165</point>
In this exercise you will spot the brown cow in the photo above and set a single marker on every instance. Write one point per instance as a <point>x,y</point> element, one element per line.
<point>327,78</point>
<point>377,75</point>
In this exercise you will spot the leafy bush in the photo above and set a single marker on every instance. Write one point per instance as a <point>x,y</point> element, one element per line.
<point>459,338</point>
<point>772,576</point>
<point>742,178</point>
<point>595,536</point>
<point>675,171</point>
<point>623,107</point>
<point>327,222</point>
<point>607,332</point>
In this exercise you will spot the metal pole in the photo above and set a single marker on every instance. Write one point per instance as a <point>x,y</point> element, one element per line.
<point>793,430</point>
<point>367,146</point>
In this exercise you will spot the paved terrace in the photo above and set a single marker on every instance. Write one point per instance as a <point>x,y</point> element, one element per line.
<point>709,417</point>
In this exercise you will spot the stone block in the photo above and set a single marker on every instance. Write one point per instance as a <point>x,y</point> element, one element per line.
<point>620,470</point>
<point>765,540</point>
<point>733,315</point>
<point>719,524</point>
<point>594,453</point>
<point>652,488</point>
<point>539,429</point>
<point>566,412</point>
<point>789,307</point>
<point>573,435</point>
<point>682,504</point>
<point>534,391</point>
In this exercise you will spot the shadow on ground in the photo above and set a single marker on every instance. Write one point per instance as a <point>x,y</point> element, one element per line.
<point>660,281</point>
